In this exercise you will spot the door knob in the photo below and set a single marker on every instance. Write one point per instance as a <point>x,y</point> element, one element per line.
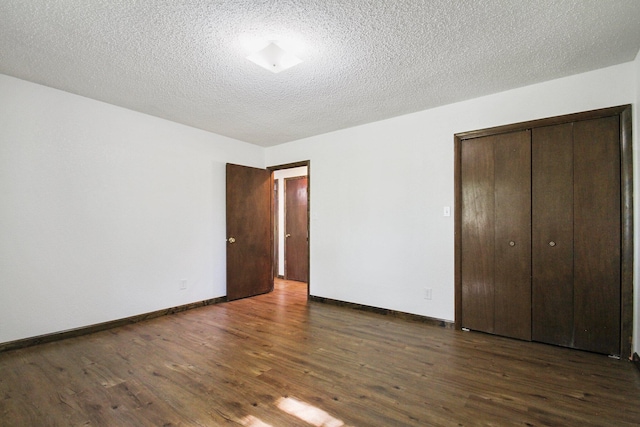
<point>287,235</point>
<point>552,243</point>
<point>512,243</point>
<point>231,240</point>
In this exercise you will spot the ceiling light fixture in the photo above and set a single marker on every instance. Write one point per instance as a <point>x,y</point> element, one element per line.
<point>274,58</point>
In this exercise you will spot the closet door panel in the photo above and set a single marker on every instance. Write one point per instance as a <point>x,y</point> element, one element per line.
<point>580,217</point>
<point>552,234</point>
<point>597,235</point>
<point>513,235</point>
<point>477,234</point>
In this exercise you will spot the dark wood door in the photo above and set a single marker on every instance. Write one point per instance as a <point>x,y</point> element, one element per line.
<point>513,234</point>
<point>477,234</point>
<point>249,232</point>
<point>581,230</point>
<point>597,229</point>
<point>496,234</point>
<point>552,234</point>
<point>576,235</point>
<point>296,244</point>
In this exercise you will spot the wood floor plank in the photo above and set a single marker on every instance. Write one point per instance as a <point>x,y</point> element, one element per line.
<point>274,359</point>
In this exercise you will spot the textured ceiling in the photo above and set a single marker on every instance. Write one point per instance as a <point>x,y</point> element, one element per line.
<point>364,60</point>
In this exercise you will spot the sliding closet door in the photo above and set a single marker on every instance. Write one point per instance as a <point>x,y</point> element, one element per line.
<point>496,234</point>
<point>597,231</point>
<point>552,234</point>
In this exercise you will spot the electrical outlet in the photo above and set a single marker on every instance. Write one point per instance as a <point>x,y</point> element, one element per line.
<point>183,285</point>
<point>428,292</point>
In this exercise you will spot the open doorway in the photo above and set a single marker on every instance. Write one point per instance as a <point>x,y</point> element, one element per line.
<point>291,197</point>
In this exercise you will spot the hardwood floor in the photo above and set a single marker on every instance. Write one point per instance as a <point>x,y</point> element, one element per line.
<point>277,360</point>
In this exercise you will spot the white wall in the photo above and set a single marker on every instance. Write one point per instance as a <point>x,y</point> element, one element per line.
<point>280,176</point>
<point>104,211</point>
<point>379,236</point>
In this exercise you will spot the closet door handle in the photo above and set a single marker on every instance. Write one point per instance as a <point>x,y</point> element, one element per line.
<point>512,243</point>
<point>552,243</point>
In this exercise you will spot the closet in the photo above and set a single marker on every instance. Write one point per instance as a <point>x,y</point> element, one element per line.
<point>544,231</point>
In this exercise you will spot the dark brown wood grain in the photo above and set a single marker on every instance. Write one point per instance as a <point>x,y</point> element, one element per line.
<point>276,228</point>
<point>512,224</point>
<point>496,237</point>
<point>626,218</point>
<point>236,363</point>
<point>457,230</point>
<point>552,207</point>
<point>307,164</point>
<point>249,223</point>
<point>296,229</point>
<point>477,234</point>
<point>587,300</point>
<point>597,235</point>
